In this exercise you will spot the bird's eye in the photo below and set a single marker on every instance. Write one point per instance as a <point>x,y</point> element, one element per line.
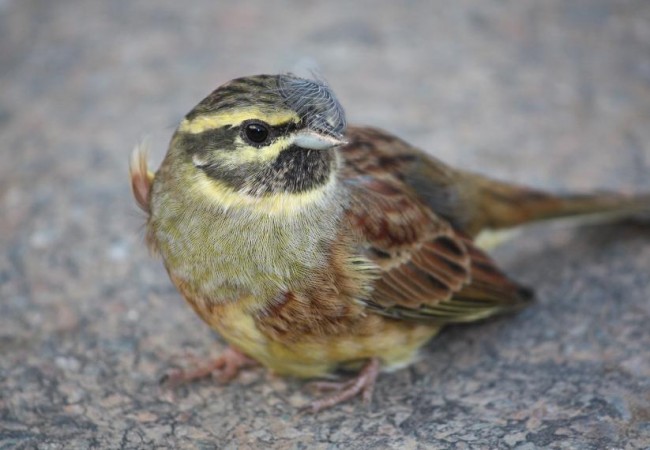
<point>256,132</point>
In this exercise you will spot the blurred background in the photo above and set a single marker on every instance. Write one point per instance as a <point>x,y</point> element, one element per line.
<point>554,94</point>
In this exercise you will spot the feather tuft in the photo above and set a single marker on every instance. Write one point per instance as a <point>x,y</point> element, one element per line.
<point>141,176</point>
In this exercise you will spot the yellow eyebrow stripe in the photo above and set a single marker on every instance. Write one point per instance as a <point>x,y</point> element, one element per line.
<point>206,122</point>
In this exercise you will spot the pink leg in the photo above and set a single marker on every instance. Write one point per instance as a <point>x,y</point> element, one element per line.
<point>224,368</point>
<point>363,384</point>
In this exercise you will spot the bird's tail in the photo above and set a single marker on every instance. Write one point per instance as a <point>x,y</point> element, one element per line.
<point>502,205</point>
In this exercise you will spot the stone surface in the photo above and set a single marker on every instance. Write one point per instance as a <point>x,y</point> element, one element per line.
<point>554,93</point>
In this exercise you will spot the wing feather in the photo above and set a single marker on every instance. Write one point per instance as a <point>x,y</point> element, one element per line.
<point>430,269</point>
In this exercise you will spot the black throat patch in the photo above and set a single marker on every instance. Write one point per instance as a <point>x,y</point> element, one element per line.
<point>295,170</point>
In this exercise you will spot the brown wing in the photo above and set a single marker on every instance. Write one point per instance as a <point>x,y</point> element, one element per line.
<point>430,270</point>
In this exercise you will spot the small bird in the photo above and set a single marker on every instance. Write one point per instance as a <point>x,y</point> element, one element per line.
<point>312,247</point>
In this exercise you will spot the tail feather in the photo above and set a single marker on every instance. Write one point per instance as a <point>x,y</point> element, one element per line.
<point>502,205</point>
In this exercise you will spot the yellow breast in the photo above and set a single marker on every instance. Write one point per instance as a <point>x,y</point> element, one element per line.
<point>394,342</point>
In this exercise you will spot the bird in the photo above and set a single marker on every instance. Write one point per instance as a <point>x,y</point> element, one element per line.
<point>314,247</point>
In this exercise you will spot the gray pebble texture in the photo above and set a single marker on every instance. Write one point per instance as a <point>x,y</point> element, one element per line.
<point>552,93</point>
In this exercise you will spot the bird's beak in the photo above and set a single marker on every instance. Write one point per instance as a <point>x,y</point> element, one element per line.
<point>313,140</point>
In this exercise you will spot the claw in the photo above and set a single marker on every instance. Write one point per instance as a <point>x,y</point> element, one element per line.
<point>224,369</point>
<point>363,384</point>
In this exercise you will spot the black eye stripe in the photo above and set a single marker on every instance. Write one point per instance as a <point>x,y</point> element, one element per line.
<point>286,128</point>
<point>274,131</point>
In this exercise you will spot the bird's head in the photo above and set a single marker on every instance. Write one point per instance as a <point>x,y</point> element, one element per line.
<point>262,136</point>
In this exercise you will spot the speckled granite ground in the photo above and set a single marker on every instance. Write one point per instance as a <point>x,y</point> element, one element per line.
<point>553,93</point>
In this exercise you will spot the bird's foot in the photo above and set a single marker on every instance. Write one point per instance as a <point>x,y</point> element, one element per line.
<point>363,383</point>
<point>224,369</point>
